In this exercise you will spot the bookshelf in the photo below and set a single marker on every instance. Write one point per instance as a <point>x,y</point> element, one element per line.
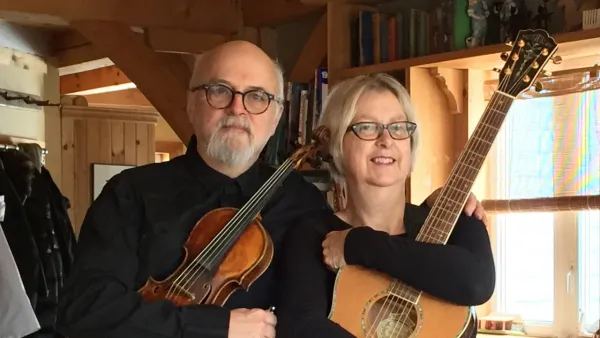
<point>577,49</point>
<point>446,88</point>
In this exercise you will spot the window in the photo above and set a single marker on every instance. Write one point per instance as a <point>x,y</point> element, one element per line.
<point>548,263</point>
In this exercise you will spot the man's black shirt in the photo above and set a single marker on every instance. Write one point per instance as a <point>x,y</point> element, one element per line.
<point>137,227</point>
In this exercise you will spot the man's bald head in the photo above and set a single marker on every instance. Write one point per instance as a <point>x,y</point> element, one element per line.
<point>231,137</point>
<point>245,50</point>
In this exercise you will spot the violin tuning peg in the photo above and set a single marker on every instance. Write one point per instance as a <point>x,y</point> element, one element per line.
<point>557,60</point>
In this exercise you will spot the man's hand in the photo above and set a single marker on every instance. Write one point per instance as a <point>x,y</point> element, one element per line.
<point>252,323</point>
<point>472,208</point>
<point>333,249</point>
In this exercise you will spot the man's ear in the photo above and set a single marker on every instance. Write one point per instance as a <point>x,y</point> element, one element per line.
<point>278,115</point>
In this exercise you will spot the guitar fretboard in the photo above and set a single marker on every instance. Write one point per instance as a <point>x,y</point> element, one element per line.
<point>450,203</point>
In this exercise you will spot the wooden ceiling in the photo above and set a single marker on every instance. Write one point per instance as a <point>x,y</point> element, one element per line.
<point>149,45</point>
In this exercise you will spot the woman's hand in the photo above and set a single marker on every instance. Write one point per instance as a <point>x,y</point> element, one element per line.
<point>333,249</point>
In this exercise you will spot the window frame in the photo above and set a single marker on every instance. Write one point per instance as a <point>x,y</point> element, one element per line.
<point>566,259</point>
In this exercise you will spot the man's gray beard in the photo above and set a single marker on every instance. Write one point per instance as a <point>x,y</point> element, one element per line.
<point>219,149</point>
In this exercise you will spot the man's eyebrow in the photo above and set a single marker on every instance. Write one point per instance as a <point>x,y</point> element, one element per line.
<point>223,81</point>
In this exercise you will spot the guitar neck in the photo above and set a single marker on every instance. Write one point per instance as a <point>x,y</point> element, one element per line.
<point>451,201</point>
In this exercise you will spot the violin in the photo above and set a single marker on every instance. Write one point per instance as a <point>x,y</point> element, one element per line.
<point>228,248</point>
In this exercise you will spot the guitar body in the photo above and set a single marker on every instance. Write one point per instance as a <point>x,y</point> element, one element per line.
<point>364,306</point>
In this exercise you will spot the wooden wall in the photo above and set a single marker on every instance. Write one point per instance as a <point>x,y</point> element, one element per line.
<point>101,135</point>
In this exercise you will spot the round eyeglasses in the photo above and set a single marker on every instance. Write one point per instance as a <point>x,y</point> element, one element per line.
<point>370,131</point>
<point>219,96</point>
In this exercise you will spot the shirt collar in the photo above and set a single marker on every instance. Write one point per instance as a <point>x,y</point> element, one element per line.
<point>249,182</point>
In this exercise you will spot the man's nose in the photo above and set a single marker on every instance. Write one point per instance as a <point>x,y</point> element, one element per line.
<point>237,105</point>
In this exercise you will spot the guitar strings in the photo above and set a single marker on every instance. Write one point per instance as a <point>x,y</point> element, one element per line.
<point>458,169</point>
<point>438,213</point>
<point>216,243</point>
<point>405,307</point>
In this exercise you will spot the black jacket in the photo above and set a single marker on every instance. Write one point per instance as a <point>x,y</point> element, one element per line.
<point>39,233</point>
<point>18,232</point>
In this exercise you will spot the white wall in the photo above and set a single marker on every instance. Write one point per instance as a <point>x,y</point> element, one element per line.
<point>23,70</point>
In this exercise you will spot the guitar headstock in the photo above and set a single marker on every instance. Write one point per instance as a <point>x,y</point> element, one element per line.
<point>529,54</point>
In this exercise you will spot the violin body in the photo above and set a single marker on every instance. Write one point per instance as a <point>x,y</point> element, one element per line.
<point>228,248</point>
<point>244,263</point>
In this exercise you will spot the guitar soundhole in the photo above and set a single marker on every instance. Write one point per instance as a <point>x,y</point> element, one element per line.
<point>391,317</point>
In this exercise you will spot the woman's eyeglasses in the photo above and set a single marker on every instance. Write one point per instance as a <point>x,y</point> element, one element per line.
<point>370,131</point>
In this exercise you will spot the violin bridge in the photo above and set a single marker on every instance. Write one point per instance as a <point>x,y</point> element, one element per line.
<point>182,290</point>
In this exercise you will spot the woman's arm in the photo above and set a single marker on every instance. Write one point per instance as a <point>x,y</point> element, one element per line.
<point>462,272</point>
<point>303,305</point>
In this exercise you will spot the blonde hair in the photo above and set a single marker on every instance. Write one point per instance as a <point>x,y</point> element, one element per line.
<point>340,109</point>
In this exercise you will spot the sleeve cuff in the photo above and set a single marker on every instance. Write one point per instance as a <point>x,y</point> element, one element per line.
<point>205,321</point>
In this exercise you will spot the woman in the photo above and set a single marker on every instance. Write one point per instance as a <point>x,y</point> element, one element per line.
<point>373,143</point>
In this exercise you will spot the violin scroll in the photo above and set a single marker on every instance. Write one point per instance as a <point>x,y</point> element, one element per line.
<point>316,151</point>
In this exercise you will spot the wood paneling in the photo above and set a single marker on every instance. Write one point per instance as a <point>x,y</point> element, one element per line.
<point>101,135</point>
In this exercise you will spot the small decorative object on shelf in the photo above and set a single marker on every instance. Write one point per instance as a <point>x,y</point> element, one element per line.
<point>508,11</point>
<point>501,324</point>
<point>591,18</point>
<point>542,19</point>
<point>478,12</point>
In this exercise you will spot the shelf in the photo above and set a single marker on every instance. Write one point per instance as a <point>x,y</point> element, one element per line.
<point>577,49</point>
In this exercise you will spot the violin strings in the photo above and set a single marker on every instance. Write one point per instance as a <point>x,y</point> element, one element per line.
<point>232,225</point>
<point>235,221</point>
<point>237,228</point>
<point>194,266</point>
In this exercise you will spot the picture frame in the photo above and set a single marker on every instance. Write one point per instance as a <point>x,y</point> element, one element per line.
<point>101,173</point>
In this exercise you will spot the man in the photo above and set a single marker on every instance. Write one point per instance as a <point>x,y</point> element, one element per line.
<point>137,226</point>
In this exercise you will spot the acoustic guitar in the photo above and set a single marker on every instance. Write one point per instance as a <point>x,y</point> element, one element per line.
<point>368,303</point>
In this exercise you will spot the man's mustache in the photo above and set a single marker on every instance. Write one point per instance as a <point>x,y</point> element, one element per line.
<point>231,121</point>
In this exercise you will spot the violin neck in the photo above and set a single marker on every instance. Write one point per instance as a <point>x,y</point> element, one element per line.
<point>235,227</point>
<point>262,196</point>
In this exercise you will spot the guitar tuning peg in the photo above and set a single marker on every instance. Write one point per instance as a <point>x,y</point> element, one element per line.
<point>497,70</point>
<point>547,73</point>
<point>538,86</point>
<point>504,56</point>
<point>557,60</point>
<point>509,43</point>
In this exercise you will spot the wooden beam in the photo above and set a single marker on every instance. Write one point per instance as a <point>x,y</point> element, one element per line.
<point>92,79</point>
<point>180,41</point>
<point>77,55</point>
<point>128,97</point>
<point>259,13</point>
<point>174,149</point>
<point>313,53</point>
<point>162,78</point>
<point>199,15</point>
